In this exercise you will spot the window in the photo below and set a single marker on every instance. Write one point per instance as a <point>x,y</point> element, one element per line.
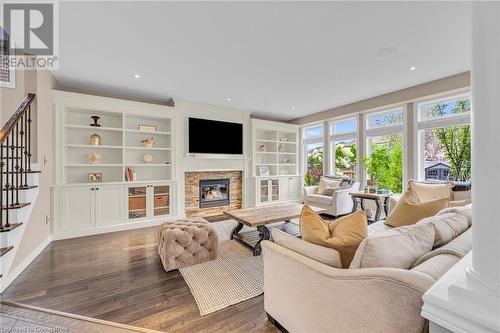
<point>6,75</point>
<point>386,118</point>
<point>313,154</point>
<point>343,150</point>
<point>384,149</point>
<point>445,139</point>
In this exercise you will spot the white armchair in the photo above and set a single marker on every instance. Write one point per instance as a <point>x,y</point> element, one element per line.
<point>339,203</point>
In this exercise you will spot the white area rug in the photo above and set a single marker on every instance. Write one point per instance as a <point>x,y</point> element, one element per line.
<point>235,276</point>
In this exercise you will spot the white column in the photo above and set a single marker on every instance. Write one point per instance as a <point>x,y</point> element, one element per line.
<point>467,298</point>
<point>485,79</point>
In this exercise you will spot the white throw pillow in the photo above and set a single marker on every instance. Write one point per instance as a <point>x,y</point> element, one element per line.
<point>326,186</point>
<point>395,248</point>
<point>325,255</point>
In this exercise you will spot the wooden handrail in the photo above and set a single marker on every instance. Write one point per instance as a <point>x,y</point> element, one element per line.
<point>13,120</point>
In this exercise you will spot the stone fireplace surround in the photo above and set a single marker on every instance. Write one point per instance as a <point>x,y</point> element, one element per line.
<point>192,192</point>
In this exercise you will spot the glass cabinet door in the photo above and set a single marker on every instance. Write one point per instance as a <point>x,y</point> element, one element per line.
<point>137,203</point>
<point>264,190</point>
<point>275,183</point>
<point>161,200</point>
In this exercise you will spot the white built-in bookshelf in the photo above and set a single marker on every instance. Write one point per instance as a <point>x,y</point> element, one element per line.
<point>275,150</point>
<point>120,147</point>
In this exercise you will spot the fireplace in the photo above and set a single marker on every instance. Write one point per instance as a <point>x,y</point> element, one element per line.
<point>214,192</point>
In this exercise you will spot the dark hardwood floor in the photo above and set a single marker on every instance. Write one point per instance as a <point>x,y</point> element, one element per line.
<point>119,277</point>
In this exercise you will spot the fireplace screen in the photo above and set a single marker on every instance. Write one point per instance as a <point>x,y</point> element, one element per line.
<point>214,192</point>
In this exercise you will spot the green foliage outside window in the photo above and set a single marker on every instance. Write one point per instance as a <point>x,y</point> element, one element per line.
<point>455,141</point>
<point>385,164</point>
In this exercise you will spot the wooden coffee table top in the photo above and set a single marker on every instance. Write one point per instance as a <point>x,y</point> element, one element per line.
<point>257,216</point>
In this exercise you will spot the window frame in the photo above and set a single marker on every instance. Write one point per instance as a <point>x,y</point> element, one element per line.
<point>312,140</point>
<point>396,129</point>
<point>12,73</point>
<point>421,125</point>
<point>333,137</point>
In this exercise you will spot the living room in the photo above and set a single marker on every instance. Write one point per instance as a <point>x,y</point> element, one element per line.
<point>249,166</point>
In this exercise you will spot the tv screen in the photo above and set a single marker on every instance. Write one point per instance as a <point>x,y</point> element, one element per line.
<point>215,137</point>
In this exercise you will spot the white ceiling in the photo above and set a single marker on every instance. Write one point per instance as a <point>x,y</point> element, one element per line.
<point>266,56</point>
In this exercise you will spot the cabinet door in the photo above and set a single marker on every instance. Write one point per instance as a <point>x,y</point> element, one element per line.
<point>77,208</point>
<point>263,190</point>
<point>294,190</point>
<point>275,189</point>
<point>109,205</point>
<point>161,200</point>
<point>137,202</point>
<point>284,189</point>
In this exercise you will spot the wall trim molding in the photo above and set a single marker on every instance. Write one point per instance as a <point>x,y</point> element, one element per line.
<point>14,273</point>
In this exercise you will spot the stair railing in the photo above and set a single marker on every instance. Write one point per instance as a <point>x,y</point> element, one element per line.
<point>15,158</point>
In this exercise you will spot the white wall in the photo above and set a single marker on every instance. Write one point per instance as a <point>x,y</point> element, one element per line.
<point>185,163</point>
<point>41,83</point>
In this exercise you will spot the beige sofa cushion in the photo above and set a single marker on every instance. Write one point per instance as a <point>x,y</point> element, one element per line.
<point>377,227</point>
<point>431,190</point>
<point>436,266</point>
<point>320,199</point>
<point>395,248</point>
<point>322,254</point>
<point>343,235</point>
<point>408,212</point>
<point>446,226</point>
<point>458,247</point>
<point>464,210</point>
<point>327,186</point>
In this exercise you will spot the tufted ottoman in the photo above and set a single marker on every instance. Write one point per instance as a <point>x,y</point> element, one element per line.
<point>186,242</point>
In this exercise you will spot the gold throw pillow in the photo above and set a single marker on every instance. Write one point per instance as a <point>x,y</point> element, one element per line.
<point>344,234</point>
<point>409,211</point>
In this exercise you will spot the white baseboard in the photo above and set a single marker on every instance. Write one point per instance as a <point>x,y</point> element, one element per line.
<point>112,228</point>
<point>14,273</point>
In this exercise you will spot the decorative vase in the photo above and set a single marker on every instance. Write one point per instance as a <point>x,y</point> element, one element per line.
<point>147,158</point>
<point>262,148</point>
<point>94,158</point>
<point>95,139</point>
<point>372,185</point>
<point>149,142</point>
<point>95,119</point>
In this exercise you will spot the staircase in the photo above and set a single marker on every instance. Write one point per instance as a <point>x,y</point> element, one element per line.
<point>18,185</point>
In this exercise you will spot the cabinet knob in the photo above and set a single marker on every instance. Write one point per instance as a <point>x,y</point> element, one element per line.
<point>92,189</point>
<point>97,188</point>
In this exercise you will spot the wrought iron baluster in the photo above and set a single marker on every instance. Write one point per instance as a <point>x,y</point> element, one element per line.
<point>7,225</point>
<point>2,163</point>
<point>25,151</point>
<point>16,160</point>
<point>29,138</point>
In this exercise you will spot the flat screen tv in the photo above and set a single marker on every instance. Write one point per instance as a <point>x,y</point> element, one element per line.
<point>215,137</point>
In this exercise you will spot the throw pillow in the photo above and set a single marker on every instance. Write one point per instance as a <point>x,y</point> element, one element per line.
<point>447,227</point>
<point>322,254</point>
<point>395,248</point>
<point>407,212</point>
<point>431,190</point>
<point>326,184</point>
<point>343,235</point>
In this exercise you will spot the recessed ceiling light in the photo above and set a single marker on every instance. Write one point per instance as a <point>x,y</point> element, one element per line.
<point>137,76</point>
<point>293,108</point>
<point>412,68</point>
<point>228,99</point>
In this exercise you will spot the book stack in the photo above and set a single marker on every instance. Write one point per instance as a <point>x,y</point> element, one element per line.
<point>130,175</point>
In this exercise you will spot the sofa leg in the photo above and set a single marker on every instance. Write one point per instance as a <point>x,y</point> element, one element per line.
<point>275,323</point>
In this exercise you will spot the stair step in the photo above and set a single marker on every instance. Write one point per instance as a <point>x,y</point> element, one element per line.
<point>22,188</point>
<point>21,205</point>
<point>11,227</point>
<point>4,250</point>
